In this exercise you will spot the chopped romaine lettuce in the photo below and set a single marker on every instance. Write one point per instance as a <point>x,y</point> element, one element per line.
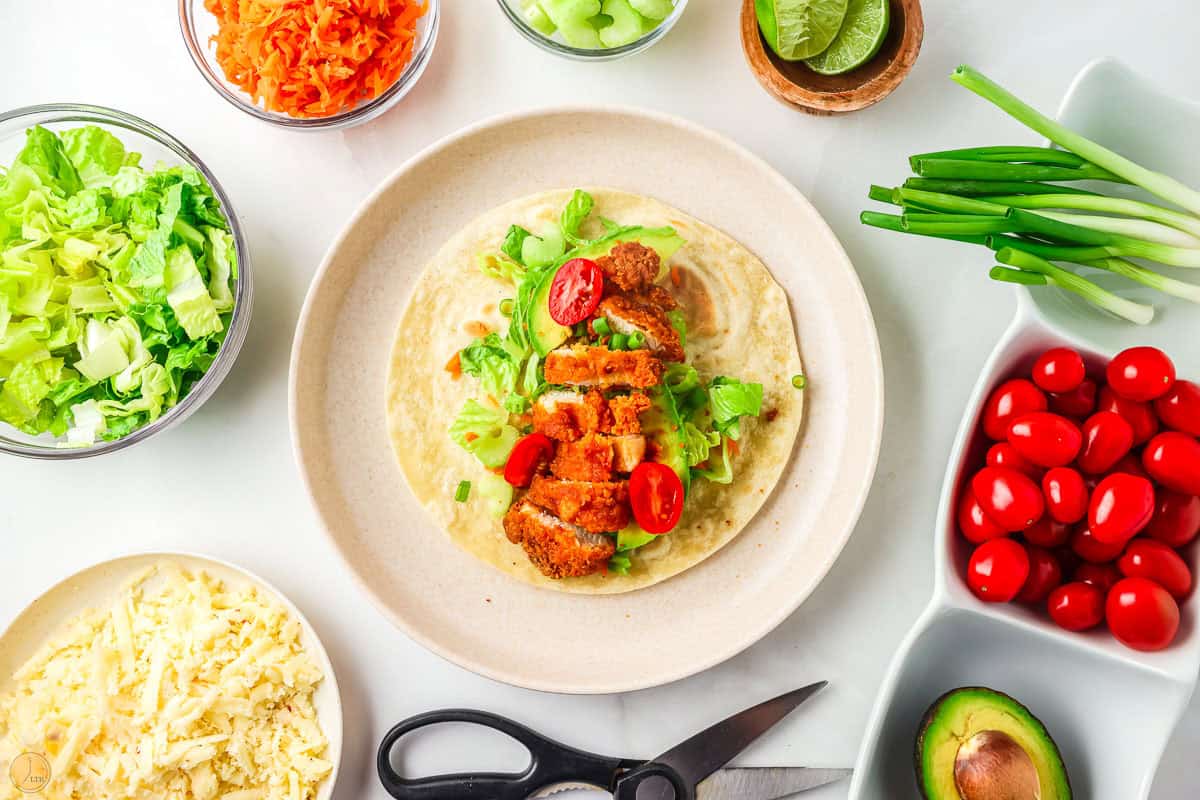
<point>573,216</point>
<point>495,361</point>
<point>512,246</point>
<point>484,433</point>
<point>730,400</point>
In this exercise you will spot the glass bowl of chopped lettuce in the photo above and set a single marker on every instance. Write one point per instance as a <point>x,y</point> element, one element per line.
<point>124,286</point>
<point>593,30</point>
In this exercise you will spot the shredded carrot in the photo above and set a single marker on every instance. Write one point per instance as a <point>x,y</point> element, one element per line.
<point>454,365</point>
<point>676,278</point>
<point>733,446</point>
<point>314,58</point>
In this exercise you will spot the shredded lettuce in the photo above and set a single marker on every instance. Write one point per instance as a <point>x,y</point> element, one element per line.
<point>495,361</point>
<point>578,209</point>
<point>730,400</point>
<point>679,323</point>
<point>697,443</point>
<point>719,469</point>
<point>116,285</point>
<point>513,242</point>
<point>484,433</point>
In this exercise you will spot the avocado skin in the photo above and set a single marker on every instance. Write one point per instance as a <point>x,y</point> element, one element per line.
<point>984,696</point>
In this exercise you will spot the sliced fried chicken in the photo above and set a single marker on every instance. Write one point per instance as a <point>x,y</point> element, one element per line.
<point>566,416</point>
<point>628,452</point>
<point>588,459</point>
<point>557,548</point>
<point>598,506</point>
<point>583,365</point>
<point>626,413</point>
<point>630,266</point>
<point>626,315</point>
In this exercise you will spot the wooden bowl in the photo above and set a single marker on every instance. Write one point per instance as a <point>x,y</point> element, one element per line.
<point>793,83</point>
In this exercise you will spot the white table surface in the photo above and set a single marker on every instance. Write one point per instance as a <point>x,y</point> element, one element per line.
<point>225,484</point>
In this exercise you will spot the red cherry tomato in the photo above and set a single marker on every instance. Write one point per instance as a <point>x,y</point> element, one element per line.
<point>1066,495</point>
<point>1121,507</point>
<point>1068,559</point>
<point>1076,606</point>
<point>575,291</point>
<point>1046,439</point>
<point>1107,438</point>
<point>1131,464</point>
<point>1141,373</point>
<point>1102,576</point>
<point>1142,614</point>
<point>1047,533</point>
<point>1010,498</point>
<point>1079,402</point>
<point>1009,401</point>
<point>1060,369</point>
<point>975,525</point>
<point>1044,575</point>
<point>1179,408</point>
<point>1173,459</point>
<point>997,570</point>
<point>1003,454</point>
<point>1092,550</point>
<point>656,496</point>
<point>528,454</point>
<point>1176,518</point>
<point>1146,558</point>
<point>1140,416</point>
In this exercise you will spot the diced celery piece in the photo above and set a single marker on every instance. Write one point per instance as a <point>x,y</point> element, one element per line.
<point>600,21</point>
<point>653,9</point>
<point>571,18</point>
<point>537,18</point>
<point>626,26</point>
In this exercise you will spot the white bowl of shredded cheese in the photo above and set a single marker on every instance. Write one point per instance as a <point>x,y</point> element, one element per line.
<point>166,677</point>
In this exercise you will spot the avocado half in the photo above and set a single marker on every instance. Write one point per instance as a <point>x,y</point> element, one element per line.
<point>979,744</point>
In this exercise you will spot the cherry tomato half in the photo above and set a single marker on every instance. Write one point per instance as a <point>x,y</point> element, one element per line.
<point>1009,401</point>
<point>656,495</point>
<point>975,525</point>
<point>528,454</point>
<point>1046,439</point>
<point>1107,438</point>
<point>1121,507</point>
<point>997,570</point>
<point>1079,402</point>
<point>1173,459</point>
<point>1076,606</point>
<point>1179,408</point>
<point>1085,545</point>
<point>1141,373</point>
<point>1140,416</point>
<point>575,291</point>
<point>1066,495</point>
<point>1142,614</point>
<point>1176,518</point>
<point>1102,576</point>
<point>1059,369</point>
<point>1146,558</point>
<point>1003,454</point>
<point>1047,533</point>
<point>1009,498</point>
<point>1044,575</point>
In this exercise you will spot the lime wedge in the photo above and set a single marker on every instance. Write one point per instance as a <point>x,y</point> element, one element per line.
<point>799,29</point>
<point>858,41</point>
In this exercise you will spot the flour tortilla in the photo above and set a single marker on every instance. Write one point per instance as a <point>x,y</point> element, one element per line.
<point>748,334</point>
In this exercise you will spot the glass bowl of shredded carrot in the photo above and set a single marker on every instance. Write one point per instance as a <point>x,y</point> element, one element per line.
<point>311,64</point>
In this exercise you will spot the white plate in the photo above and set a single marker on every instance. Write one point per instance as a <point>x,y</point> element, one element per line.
<point>1110,709</point>
<point>459,607</point>
<point>97,587</point>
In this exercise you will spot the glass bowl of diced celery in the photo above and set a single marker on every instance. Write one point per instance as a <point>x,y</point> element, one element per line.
<point>593,30</point>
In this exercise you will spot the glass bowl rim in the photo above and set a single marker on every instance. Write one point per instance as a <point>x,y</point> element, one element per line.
<point>583,53</point>
<point>243,290</point>
<point>352,116</point>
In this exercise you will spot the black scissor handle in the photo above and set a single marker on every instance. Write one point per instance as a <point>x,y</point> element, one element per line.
<point>626,787</point>
<point>550,763</point>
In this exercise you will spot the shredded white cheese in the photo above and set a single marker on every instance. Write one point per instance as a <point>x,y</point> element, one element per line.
<point>183,690</point>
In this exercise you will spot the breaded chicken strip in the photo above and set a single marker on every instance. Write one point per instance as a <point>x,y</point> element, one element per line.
<point>558,549</point>
<point>567,416</point>
<point>626,315</point>
<point>583,365</point>
<point>630,266</point>
<point>589,459</point>
<point>626,413</point>
<point>598,507</point>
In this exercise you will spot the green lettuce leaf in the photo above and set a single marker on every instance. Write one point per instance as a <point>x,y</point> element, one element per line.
<point>188,297</point>
<point>697,443</point>
<point>513,242</point>
<point>719,469</point>
<point>484,433</point>
<point>730,400</point>
<point>495,361</point>
<point>94,152</point>
<point>575,214</point>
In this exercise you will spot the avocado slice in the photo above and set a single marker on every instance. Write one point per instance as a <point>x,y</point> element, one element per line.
<point>976,743</point>
<point>662,426</point>
<point>544,333</point>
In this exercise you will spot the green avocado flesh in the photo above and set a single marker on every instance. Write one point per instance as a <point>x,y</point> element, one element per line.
<point>661,425</point>
<point>964,713</point>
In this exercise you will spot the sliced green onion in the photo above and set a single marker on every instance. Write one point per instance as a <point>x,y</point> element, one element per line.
<point>637,340</point>
<point>1127,309</point>
<point>506,306</point>
<point>1156,183</point>
<point>462,492</point>
<point>579,329</point>
<point>600,326</point>
<point>799,381</point>
<point>975,188</point>
<point>619,341</point>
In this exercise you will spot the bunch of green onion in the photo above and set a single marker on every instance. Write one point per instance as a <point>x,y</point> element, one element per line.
<point>1009,200</point>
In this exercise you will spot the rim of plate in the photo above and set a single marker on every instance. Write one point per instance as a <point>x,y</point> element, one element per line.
<point>766,623</point>
<point>334,738</point>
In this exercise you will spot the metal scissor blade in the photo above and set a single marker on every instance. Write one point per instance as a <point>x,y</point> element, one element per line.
<point>766,783</point>
<point>711,749</point>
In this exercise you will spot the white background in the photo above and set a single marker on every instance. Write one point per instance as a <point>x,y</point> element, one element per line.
<point>225,484</point>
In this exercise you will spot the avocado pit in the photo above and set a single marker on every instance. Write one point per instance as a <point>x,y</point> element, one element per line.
<point>991,765</point>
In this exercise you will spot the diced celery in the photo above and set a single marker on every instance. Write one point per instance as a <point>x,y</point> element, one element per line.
<point>653,9</point>
<point>626,26</point>
<point>571,18</point>
<point>537,18</point>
